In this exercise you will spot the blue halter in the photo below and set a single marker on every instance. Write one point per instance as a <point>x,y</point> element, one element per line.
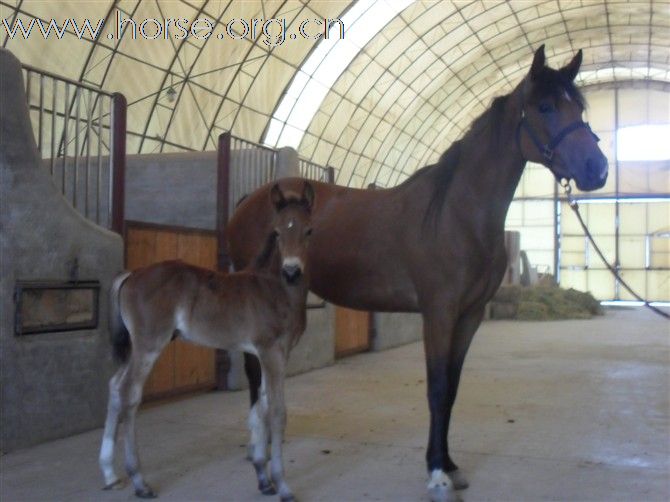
<point>547,149</point>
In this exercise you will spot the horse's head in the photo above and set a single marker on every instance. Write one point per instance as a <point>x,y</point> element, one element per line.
<point>292,229</point>
<point>552,131</point>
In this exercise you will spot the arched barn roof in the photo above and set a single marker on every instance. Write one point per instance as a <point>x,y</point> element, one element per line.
<point>405,82</point>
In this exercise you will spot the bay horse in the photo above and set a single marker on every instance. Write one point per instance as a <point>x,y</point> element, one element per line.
<point>254,310</point>
<point>435,243</point>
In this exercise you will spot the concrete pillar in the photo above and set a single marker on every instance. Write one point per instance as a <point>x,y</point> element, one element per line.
<point>287,163</point>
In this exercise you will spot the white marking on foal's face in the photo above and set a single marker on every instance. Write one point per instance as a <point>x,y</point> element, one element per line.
<point>293,261</point>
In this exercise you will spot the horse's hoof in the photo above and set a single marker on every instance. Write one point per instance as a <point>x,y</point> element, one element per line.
<point>115,485</point>
<point>458,479</point>
<point>441,488</point>
<point>443,494</point>
<point>267,488</point>
<point>145,493</point>
<point>287,498</point>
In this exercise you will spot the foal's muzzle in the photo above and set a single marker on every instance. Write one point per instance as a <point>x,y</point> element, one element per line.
<point>291,273</point>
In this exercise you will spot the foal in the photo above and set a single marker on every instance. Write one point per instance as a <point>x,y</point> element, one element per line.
<point>257,311</point>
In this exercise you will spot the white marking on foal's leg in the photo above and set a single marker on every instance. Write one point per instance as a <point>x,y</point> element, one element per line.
<point>106,458</point>
<point>440,487</point>
<point>258,426</point>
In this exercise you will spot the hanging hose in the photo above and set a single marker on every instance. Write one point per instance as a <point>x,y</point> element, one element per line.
<point>575,207</point>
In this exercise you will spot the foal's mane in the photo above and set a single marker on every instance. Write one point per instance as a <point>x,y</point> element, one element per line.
<point>263,258</point>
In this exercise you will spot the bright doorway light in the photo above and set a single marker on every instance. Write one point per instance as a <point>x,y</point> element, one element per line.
<point>324,66</point>
<point>644,142</point>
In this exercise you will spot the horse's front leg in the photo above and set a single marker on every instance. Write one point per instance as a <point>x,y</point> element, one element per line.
<point>273,362</point>
<point>258,427</point>
<point>439,326</point>
<point>252,369</point>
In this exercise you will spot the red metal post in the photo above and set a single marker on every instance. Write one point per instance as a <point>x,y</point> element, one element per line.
<point>222,199</point>
<point>118,153</point>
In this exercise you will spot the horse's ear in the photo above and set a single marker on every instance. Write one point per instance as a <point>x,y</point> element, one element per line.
<point>538,63</point>
<point>308,195</point>
<point>572,68</point>
<point>277,197</point>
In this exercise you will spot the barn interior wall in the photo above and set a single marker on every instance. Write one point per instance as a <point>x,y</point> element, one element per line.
<point>52,384</point>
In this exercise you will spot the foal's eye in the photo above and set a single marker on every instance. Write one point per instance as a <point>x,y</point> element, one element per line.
<point>546,107</point>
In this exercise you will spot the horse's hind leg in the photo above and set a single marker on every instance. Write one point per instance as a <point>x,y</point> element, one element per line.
<point>465,330</point>
<point>138,371</point>
<point>114,411</point>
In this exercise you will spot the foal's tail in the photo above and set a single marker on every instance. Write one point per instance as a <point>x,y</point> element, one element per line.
<point>119,334</point>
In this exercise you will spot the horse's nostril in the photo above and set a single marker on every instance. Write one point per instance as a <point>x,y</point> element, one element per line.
<point>291,272</point>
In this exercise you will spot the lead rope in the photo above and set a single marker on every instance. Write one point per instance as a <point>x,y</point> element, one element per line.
<point>575,207</point>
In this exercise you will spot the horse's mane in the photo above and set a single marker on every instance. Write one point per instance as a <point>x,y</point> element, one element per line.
<point>488,122</point>
<point>549,82</point>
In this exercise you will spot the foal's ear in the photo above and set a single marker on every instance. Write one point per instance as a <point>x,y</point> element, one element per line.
<point>277,197</point>
<point>572,68</point>
<point>538,63</point>
<point>308,195</point>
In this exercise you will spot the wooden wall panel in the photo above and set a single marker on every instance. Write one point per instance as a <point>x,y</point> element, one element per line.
<point>352,331</point>
<point>182,366</point>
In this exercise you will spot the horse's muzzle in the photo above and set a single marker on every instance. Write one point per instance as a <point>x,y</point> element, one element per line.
<point>594,175</point>
<point>292,273</point>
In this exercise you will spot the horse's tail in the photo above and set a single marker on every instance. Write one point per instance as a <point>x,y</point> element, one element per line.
<point>119,334</point>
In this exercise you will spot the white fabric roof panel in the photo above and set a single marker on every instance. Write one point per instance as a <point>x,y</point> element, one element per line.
<point>409,92</point>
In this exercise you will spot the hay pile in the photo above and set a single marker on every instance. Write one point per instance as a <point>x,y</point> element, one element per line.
<point>543,303</point>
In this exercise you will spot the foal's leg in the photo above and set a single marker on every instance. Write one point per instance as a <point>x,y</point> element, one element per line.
<point>252,368</point>
<point>138,371</point>
<point>114,410</point>
<point>273,362</point>
<point>258,426</point>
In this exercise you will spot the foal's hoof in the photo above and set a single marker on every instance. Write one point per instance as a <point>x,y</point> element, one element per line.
<point>458,479</point>
<point>115,485</point>
<point>267,488</point>
<point>145,493</point>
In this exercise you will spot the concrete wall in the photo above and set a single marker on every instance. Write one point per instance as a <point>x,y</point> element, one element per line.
<point>180,188</point>
<point>394,329</point>
<point>52,385</point>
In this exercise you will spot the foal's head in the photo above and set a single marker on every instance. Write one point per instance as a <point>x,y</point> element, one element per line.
<point>552,131</point>
<point>292,229</point>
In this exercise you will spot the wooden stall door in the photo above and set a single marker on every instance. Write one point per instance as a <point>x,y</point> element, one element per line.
<point>352,331</point>
<point>182,367</point>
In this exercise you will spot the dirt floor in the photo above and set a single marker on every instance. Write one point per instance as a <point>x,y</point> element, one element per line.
<point>562,410</point>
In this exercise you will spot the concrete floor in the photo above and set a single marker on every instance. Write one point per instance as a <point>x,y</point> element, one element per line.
<point>570,410</point>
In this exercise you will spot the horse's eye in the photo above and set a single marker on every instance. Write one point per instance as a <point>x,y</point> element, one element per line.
<point>308,232</point>
<point>546,107</point>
